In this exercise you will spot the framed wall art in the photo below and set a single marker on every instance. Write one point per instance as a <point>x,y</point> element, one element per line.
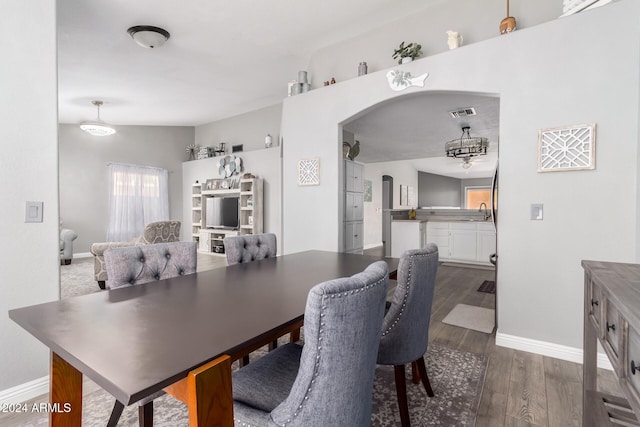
<point>567,148</point>
<point>309,171</point>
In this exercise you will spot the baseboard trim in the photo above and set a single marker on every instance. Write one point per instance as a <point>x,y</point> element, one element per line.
<point>544,348</point>
<point>23,392</point>
<point>373,245</point>
<point>83,255</point>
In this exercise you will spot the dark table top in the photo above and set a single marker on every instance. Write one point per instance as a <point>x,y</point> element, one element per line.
<point>137,340</point>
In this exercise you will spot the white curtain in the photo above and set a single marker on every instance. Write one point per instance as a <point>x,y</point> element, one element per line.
<point>138,195</point>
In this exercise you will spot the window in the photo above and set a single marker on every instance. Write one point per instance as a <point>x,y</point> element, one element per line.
<point>475,196</point>
<point>138,195</point>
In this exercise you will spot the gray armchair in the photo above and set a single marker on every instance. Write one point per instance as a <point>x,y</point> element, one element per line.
<point>329,381</point>
<point>66,245</point>
<point>249,247</point>
<point>155,232</point>
<point>136,265</point>
<point>405,329</point>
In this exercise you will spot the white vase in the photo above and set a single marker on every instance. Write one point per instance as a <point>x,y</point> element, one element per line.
<point>454,39</point>
<point>406,59</point>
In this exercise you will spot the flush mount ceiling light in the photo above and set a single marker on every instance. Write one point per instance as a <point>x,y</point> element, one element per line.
<point>466,146</point>
<point>97,127</point>
<point>148,36</point>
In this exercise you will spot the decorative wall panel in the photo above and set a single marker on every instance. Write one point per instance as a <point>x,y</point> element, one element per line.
<point>566,148</point>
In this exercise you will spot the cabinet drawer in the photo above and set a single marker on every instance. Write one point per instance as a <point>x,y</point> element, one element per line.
<point>613,331</point>
<point>595,306</point>
<point>464,226</point>
<point>630,376</point>
<point>437,225</point>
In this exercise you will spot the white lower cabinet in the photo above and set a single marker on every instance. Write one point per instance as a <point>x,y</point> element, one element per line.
<point>463,244</point>
<point>486,242</point>
<point>463,241</point>
<point>407,234</point>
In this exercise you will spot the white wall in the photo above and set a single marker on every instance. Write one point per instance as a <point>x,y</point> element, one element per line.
<point>544,78</point>
<point>475,20</point>
<point>29,171</point>
<point>403,173</point>
<point>84,178</point>
<point>248,129</point>
<point>264,163</point>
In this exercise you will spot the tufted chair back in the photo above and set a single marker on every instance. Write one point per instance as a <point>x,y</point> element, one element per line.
<point>249,247</point>
<point>135,265</point>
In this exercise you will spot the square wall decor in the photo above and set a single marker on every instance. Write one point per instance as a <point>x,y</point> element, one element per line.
<point>309,171</point>
<point>567,148</point>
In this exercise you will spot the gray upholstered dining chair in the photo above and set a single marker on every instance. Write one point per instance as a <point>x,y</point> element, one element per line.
<point>253,247</point>
<point>135,265</point>
<point>249,247</point>
<point>405,329</point>
<point>329,380</point>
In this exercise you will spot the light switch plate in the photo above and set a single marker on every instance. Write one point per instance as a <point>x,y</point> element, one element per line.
<point>33,211</point>
<point>536,211</point>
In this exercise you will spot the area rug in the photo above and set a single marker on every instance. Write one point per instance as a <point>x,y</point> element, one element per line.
<point>77,278</point>
<point>471,317</point>
<point>457,378</point>
<point>488,286</point>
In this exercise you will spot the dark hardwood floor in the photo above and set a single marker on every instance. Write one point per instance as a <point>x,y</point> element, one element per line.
<point>521,388</point>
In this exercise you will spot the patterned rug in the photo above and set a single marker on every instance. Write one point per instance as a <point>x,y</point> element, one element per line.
<point>456,377</point>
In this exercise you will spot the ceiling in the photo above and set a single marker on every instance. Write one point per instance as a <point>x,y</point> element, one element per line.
<point>223,57</point>
<point>417,126</point>
<point>229,57</point>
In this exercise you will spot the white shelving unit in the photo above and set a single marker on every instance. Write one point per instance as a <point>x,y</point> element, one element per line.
<point>251,220</point>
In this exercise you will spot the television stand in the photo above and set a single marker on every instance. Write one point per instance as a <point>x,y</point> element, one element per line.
<point>210,240</point>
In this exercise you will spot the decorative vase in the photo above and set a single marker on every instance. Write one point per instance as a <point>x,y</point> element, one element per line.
<point>454,39</point>
<point>362,69</point>
<point>268,141</point>
<point>406,59</point>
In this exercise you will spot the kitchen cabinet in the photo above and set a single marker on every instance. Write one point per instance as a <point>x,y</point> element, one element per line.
<point>486,241</point>
<point>407,234</point>
<point>463,241</point>
<point>353,211</point>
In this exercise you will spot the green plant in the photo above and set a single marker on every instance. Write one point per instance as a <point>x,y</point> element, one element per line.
<point>412,50</point>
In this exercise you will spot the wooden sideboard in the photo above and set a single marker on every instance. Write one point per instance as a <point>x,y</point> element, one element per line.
<point>612,317</point>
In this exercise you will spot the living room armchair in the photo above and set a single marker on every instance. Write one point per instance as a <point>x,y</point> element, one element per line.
<point>66,245</point>
<point>156,232</point>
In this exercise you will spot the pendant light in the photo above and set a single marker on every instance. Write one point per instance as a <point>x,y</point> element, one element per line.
<point>97,127</point>
<point>508,24</point>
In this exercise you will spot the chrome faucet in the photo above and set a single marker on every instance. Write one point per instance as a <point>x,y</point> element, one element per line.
<point>487,215</point>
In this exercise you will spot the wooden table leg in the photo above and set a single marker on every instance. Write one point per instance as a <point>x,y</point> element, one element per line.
<point>207,391</point>
<point>65,394</point>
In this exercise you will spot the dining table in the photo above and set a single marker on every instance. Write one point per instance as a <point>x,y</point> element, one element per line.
<point>179,335</point>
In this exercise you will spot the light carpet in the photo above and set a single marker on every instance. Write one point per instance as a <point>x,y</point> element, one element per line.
<point>77,278</point>
<point>471,317</point>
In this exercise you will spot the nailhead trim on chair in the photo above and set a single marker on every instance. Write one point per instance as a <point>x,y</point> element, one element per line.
<point>406,294</point>
<point>320,332</point>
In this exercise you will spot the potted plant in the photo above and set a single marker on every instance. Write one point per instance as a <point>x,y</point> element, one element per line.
<point>407,53</point>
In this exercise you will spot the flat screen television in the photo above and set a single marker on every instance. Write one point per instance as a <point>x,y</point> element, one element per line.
<point>222,212</point>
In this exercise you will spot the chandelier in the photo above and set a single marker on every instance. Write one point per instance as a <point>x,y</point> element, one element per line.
<point>97,127</point>
<point>466,147</point>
